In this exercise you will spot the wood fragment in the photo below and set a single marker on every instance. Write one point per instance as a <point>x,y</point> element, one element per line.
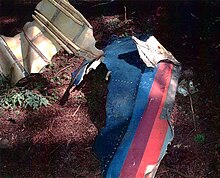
<point>193,112</point>
<point>125,13</point>
<point>76,110</point>
<point>61,70</point>
<point>51,126</point>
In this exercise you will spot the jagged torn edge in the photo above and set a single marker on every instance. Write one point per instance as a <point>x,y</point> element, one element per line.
<point>152,52</point>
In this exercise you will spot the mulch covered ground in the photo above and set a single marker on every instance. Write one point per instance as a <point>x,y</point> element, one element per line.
<point>56,141</point>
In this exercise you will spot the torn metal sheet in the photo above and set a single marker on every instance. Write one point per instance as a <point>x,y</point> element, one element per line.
<point>57,24</point>
<point>78,75</point>
<point>138,108</point>
<point>152,52</point>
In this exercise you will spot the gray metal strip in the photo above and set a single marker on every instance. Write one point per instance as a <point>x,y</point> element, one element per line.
<point>168,105</point>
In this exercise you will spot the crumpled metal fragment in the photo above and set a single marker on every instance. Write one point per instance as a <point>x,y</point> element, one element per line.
<point>57,24</point>
<point>152,52</point>
<point>186,87</point>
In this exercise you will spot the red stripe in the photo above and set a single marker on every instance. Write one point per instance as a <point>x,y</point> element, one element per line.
<point>136,160</point>
<point>154,145</point>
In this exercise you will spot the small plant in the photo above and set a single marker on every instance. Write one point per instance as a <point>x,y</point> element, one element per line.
<point>24,99</point>
<point>54,96</point>
<point>200,138</point>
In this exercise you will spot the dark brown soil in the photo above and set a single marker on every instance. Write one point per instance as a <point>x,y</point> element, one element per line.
<point>55,141</point>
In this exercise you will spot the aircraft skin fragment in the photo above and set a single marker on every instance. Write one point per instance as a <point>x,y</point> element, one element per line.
<point>56,25</point>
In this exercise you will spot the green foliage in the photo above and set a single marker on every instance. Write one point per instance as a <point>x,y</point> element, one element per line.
<point>24,99</point>
<point>54,96</point>
<point>200,138</point>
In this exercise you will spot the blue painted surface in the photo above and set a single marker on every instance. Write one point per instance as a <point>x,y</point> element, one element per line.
<point>127,99</point>
<point>141,102</point>
<point>128,78</point>
<point>78,74</point>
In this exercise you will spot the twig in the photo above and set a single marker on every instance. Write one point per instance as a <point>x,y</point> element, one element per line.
<point>193,15</point>
<point>193,112</point>
<point>61,70</point>
<point>210,143</point>
<point>101,4</point>
<point>125,13</point>
<point>52,133</point>
<point>98,173</point>
<point>55,149</point>
<point>76,110</point>
<point>202,121</point>
<point>188,135</point>
<point>217,46</point>
<point>51,126</point>
<point>179,173</point>
<point>162,172</point>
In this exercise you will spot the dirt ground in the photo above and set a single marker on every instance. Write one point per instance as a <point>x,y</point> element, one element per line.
<point>56,141</point>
